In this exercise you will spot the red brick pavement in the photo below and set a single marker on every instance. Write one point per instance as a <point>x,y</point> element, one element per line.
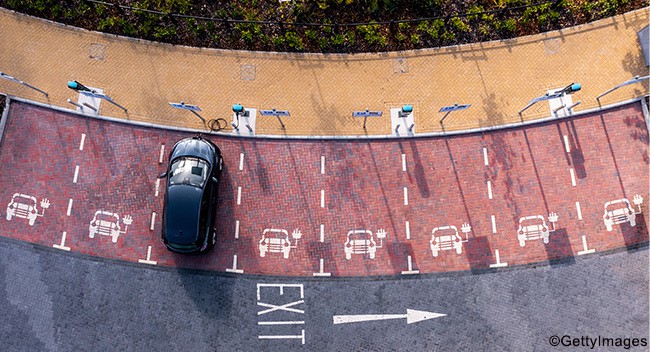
<point>363,183</point>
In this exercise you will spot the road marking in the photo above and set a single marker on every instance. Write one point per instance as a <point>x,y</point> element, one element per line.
<point>234,266</point>
<point>148,260</point>
<point>153,220</point>
<point>498,264</point>
<point>412,316</point>
<point>408,231</point>
<point>322,232</point>
<point>76,174</point>
<point>236,229</point>
<point>322,165</point>
<point>567,147</point>
<point>579,211</point>
<point>281,337</point>
<point>239,195</point>
<point>157,186</point>
<point>403,162</point>
<point>322,198</point>
<point>321,273</point>
<point>83,140</point>
<point>62,245</point>
<point>489,189</point>
<point>241,161</point>
<point>584,245</point>
<point>485,158</point>
<point>494,224</point>
<point>573,177</point>
<point>284,307</point>
<point>406,196</point>
<point>410,271</point>
<point>162,154</point>
<point>69,207</point>
<point>280,323</point>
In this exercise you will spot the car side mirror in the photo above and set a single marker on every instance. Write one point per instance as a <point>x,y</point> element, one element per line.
<point>163,175</point>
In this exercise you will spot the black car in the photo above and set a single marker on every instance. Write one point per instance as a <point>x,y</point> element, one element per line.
<point>193,174</point>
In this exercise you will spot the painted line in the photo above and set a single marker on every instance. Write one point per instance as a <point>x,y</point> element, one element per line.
<point>485,158</point>
<point>567,147</point>
<point>283,337</point>
<point>322,165</point>
<point>241,161</point>
<point>573,177</point>
<point>408,231</point>
<point>322,232</point>
<point>157,187</point>
<point>234,266</point>
<point>236,229</point>
<point>489,184</point>
<point>579,211</point>
<point>403,162</point>
<point>322,198</point>
<point>410,271</point>
<point>153,220</point>
<point>494,224</point>
<point>76,174</point>
<point>321,273</point>
<point>584,245</point>
<point>83,140</point>
<point>498,263</point>
<point>62,246</point>
<point>239,195</point>
<point>280,323</point>
<point>162,154</point>
<point>69,207</point>
<point>406,196</point>
<point>148,260</point>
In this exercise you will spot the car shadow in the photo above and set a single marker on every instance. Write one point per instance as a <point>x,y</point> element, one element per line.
<point>479,254</point>
<point>558,249</point>
<point>635,237</point>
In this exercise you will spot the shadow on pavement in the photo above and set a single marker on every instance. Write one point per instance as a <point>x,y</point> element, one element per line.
<point>479,254</point>
<point>636,237</point>
<point>558,249</point>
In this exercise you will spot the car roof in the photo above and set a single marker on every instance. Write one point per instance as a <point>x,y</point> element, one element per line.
<point>195,147</point>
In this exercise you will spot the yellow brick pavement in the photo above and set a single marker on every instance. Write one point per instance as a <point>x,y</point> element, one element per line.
<point>322,90</point>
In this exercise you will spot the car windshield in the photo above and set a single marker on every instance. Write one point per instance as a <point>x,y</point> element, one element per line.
<point>189,171</point>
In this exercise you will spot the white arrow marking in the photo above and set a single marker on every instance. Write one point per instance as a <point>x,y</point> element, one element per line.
<point>412,316</point>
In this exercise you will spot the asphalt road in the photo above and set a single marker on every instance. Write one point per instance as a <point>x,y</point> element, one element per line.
<point>60,301</point>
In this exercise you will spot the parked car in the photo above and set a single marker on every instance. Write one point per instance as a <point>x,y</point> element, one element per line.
<point>617,212</point>
<point>105,223</point>
<point>22,206</point>
<point>532,228</point>
<point>445,238</point>
<point>189,207</point>
<point>275,241</point>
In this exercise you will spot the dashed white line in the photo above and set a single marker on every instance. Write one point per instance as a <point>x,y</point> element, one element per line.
<point>62,246</point>
<point>322,165</point>
<point>234,266</point>
<point>403,162</point>
<point>162,154</point>
<point>241,161</point>
<point>236,228</point>
<point>157,186</point>
<point>584,245</point>
<point>410,266</point>
<point>494,224</point>
<point>579,211</point>
<point>76,174</point>
<point>69,207</point>
<point>153,220</point>
<point>567,147</point>
<point>408,231</point>
<point>485,158</point>
<point>322,232</point>
<point>83,140</point>
<point>322,198</point>
<point>498,264</point>
<point>239,195</point>
<point>148,260</point>
<point>489,185</point>
<point>573,177</point>
<point>406,196</point>
<point>321,272</point>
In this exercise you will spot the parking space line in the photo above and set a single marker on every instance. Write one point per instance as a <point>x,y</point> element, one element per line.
<point>322,165</point>
<point>83,140</point>
<point>494,224</point>
<point>234,266</point>
<point>321,272</point>
<point>69,207</point>
<point>489,185</point>
<point>410,266</point>
<point>404,162</point>
<point>406,196</point>
<point>62,246</point>
<point>322,232</point>
<point>579,211</point>
<point>485,157</point>
<point>573,177</point>
<point>322,198</point>
<point>584,245</point>
<point>239,195</point>
<point>236,229</point>
<point>76,174</point>
<point>408,231</point>
<point>162,154</point>
<point>567,147</point>
<point>241,161</point>
<point>148,260</point>
<point>153,220</point>
<point>157,186</point>
<point>498,264</point>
